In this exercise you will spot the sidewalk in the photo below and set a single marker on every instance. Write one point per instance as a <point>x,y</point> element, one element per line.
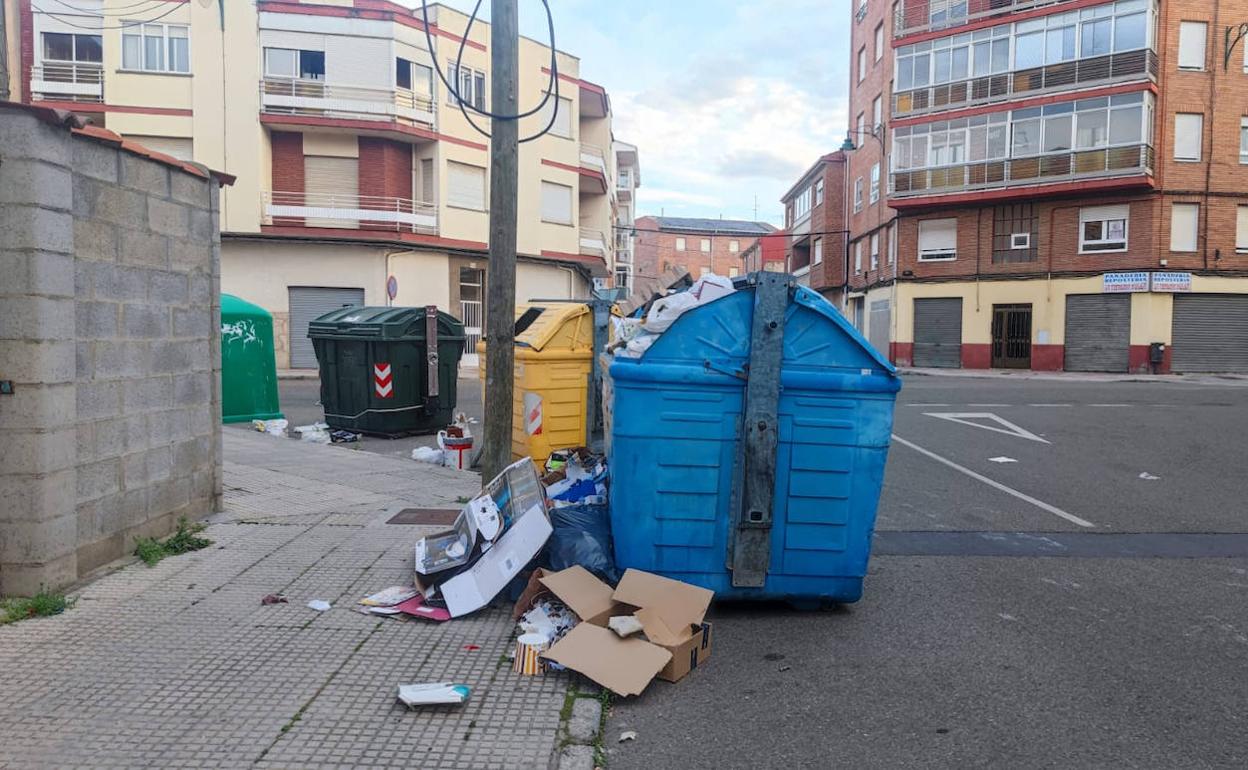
<point>1228,380</point>
<point>180,665</point>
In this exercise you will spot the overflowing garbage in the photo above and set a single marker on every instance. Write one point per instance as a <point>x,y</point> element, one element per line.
<point>316,433</point>
<point>635,335</point>
<point>454,449</point>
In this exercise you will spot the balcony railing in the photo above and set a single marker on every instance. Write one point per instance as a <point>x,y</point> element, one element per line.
<point>914,16</point>
<point>593,157</point>
<point>297,96</point>
<point>75,81</point>
<point>624,256</point>
<point>1018,172</point>
<point>1114,68</point>
<point>365,212</point>
<point>593,242</point>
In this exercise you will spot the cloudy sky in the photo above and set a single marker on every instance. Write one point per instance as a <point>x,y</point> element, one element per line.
<point>727,100</point>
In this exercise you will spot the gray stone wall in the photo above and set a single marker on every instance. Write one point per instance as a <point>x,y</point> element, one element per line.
<point>109,324</point>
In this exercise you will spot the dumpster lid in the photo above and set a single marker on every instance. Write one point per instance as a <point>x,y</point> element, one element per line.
<point>383,323</point>
<point>549,320</point>
<point>232,306</point>
<point>811,299</point>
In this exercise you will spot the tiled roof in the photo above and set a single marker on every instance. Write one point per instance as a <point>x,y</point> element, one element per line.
<point>724,226</point>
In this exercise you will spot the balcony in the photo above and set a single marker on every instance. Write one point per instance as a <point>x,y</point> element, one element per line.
<point>593,158</point>
<point>1130,160</point>
<point>297,96</point>
<point>916,16</point>
<point>78,82</point>
<point>623,256</point>
<point>593,242</point>
<point>349,212</point>
<point>1101,70</point>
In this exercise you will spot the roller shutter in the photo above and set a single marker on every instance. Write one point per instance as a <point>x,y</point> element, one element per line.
<point>879,325</point>
<point>1098,332</point>
<point>306,305</point>
<point>1210,333</point>
<point>938,332</point>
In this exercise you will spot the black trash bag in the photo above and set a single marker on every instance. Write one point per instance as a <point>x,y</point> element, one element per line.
<point>582,536</point>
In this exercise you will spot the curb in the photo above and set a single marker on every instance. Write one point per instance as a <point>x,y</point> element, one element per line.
<point>580,732</point>
<point>298,374</point>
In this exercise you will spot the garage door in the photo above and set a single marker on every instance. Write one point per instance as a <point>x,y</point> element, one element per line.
<point>880,324</point>
<point>1098,332</point>
<point>306,305</point>
<point>938,332</point>
<point>1210,333</point>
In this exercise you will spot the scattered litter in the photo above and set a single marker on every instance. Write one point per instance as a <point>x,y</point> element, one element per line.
<point>456,443</point>
<point>416,608</point>
<point>389,597</point>
<point>384,611</point>
<point>273,599</point>
<point>582,535</point>
<point>528,658</point>
<point>634,337</point>
<point>433,694</point>
<point>316,433</point>
<point>785,668</point>
<point>472,647</point>
<point>320,605</point>
<point>343,437</point>
<point>425,454</point>
<point>628,735</point>
<point>624,625</point>
<point>1149,477</point>
<point>1002,460</point>
<point>271,427</point>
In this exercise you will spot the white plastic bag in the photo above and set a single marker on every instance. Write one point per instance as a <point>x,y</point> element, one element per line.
<point>425,454</point>
<point>666,310</point>
<point>711,287</point>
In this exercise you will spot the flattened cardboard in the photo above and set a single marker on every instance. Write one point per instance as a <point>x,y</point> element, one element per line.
<point>624,666</point>
<point>688,656</point>
<point>671,610</point>
<point>471,590</point>
<point>584,594</point>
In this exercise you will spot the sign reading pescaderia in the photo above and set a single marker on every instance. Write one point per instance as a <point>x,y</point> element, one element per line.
<point>1125,283</point>
<point>1172,283</point>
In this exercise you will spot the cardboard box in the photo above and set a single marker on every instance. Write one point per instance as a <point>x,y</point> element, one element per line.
<point>671,614</point>
<point>477,586</point>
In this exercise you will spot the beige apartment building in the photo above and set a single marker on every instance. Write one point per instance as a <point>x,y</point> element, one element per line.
<point>359,178</point>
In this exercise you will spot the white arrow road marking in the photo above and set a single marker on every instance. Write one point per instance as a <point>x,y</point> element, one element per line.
<point>997,485</point>
<point>1009,428</point>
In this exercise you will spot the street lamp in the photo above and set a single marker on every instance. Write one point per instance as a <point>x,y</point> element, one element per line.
<point>849,146</point>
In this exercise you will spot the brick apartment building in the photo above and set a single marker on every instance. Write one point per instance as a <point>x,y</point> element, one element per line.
<point>769,252</point>
<point>814,218</point>
<point>1061,188</point>
<point>694,246</point>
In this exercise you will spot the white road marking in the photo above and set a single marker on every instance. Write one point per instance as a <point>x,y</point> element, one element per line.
<point>1052,406</point>
<point>997,485</point>
<point>1002,460</point>
<point>988,406</point>
<point>923,405</point>
<point>1009,429</point>
<point>1110,406</point>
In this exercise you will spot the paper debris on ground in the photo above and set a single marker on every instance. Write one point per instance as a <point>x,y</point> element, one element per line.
<point>317,433</point>
<point>389,597</point>
<point>271,427</point>
<point>1149,477</point>
<point>433,694</point>
<point>417,608</point>
<point>320,605</point>
<point>628,735</point>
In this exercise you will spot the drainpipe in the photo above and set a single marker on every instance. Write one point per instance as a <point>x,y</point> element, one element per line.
<point>4,55</point>
<point>1213,122</point>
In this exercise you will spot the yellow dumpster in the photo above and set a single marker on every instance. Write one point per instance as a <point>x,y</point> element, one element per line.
<point>554,361</point>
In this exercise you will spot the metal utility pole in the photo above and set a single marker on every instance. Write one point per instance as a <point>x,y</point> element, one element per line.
<point>504,189</point>
<point>4,55</point>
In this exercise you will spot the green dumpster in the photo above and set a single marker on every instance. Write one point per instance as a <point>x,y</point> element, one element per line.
<point>248,363</point>
<point>381,375</point>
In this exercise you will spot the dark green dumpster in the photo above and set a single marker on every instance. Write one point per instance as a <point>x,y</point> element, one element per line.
<point>248,363</point>
<point>377,372</point>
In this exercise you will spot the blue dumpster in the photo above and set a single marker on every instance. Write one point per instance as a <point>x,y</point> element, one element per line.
<point>748,447</point>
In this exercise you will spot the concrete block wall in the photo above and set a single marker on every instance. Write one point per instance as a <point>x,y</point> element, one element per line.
<point>109,324</point>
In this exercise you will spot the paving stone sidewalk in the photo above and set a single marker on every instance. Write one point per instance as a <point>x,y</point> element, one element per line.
<point>180,666</point>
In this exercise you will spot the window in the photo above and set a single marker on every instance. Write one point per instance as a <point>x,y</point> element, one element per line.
<point>73,48</point>
<point>877,114</point>
<point>155,47</point>
<point>879,41</point>
<point>465,186</point>
<point>1241,230</point>
<point>1192,38</point>
<point>875,183</point>
<point>819,191</point>
<point>734,247</point>
<point>858,257</point>
<point>289,63</point>
<point>875,251</point>
<point>1184,225</point>
<point>1103,228</point>
<point>706,245</point>
<point>563,117</point>
<point>892,244</point>
<point>1015,233</point>
<point>862,127</point>
<point>858,194</point>
<point>938,240</point>
<point>1189,131</point>
<point>680,244</point>
<point>469,82</point>
<point>801,205</point>
<point>414,77</point>
<point>817,252</point>
<point>862,64</point>
<point>733,272</point>
<point>1243,140</point>
<point>556,203</point>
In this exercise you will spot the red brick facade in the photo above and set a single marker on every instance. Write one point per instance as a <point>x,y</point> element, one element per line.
<point>287,165</point>
<point>657,248</point>
<point>824,186</point>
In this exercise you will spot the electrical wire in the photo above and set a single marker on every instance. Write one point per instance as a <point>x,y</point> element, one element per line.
<point>552,87</point>
<point>125,10</point>
<point>61,17</point>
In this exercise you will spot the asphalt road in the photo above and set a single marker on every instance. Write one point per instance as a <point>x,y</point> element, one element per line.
<point>1079,649</point>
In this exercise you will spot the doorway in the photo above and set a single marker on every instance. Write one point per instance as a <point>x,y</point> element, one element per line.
<point>471,310</point>
<point>1011,336</point>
